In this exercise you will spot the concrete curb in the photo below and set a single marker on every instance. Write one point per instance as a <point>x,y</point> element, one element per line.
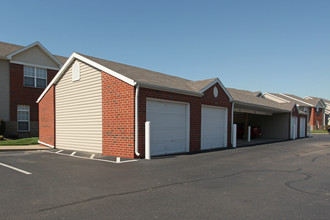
<point>23,148</point>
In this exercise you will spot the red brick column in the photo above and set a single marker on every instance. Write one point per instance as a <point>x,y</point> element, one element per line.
<point>47,117</point>
<point>117,117</point>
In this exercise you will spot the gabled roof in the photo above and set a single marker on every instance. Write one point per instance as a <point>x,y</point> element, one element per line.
<point>41,47</point>
<point>8,50</point>
<point>304,102</point>
<point>290,99</point>
<point>249,98</point>
<point>315,100</point>
<point>139,76</point>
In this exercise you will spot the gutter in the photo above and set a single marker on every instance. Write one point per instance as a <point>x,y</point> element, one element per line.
<point>168,89</point>
<point>261,106</point>
<point>137,120</point>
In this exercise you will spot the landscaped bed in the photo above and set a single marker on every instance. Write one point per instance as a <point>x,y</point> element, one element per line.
<point>22,141</point>
<point>319,132</point>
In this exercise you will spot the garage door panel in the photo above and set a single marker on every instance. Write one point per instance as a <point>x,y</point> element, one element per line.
<point>168,124</point>
<point>167,121</point>
<point>302,127</point>
<point>214,127</point>
<point>165,134</point>
<point>294,127</point>
<point>167,146</point>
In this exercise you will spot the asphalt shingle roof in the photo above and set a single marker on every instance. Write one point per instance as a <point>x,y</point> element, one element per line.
<point>151,77</point>
<point>248,97</point>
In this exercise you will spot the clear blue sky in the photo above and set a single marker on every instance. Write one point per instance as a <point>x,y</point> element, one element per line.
<point>269,46</point>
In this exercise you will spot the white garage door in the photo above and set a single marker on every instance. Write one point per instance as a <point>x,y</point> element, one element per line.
<point>302,127</point>
<point>169,131</point>
<point>214,127</point>
<point>294,127</point>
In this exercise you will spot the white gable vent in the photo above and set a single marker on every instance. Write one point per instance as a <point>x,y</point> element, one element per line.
<point>75,72</point>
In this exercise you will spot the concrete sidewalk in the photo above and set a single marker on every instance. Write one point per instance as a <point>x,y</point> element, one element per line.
<point>23,147</point>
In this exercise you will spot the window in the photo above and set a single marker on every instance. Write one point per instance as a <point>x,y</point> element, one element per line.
<point>35,77</point>
<point>23,118</point>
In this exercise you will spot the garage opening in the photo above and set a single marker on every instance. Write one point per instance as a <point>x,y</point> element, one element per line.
<point>214,127</point>
<point>265,128</point>
<point>169,126</point>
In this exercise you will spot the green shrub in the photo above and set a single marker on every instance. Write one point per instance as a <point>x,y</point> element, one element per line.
<point>2,126</point>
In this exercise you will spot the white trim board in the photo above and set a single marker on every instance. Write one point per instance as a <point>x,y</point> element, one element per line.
<point>33,65</point>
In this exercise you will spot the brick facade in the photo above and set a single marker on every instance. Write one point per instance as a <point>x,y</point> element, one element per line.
<point>195,112</point>
<point>295,112</point>
<point>22,95</point>
<point>316,116</point>
<point>47,117</point>
<point>117,117</point>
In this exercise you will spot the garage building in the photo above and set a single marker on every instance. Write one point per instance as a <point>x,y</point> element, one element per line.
<point>269,121</point>
<point>96,105</point>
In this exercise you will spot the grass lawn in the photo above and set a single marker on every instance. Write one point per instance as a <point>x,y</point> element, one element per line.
<point>23,141</point>
<point>319,132</point>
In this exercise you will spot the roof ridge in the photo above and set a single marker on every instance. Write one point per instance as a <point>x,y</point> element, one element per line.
<point>141,68</point>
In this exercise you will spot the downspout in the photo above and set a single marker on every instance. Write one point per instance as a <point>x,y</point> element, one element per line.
<point>137,120</point>
<point>232,121</point>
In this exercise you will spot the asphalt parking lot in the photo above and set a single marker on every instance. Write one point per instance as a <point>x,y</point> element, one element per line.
<point>287,180</point>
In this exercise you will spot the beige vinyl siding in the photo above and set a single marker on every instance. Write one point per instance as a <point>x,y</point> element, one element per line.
<point>4,90</point>
<point>79,110</point>
<point>35,56</point>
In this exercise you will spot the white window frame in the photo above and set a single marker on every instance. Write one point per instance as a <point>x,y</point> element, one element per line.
<point>23,110</point>
<point>35,77</point>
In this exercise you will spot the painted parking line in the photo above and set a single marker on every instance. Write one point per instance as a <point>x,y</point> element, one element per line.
<point>92,156</point>
<point>58,151</point>
<point>89,158</point>
<point>14,168</point>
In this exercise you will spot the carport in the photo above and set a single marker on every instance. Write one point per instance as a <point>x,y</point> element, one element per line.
<point>268,121</point>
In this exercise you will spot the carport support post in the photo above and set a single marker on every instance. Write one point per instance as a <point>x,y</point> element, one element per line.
<point>249,133</point>
<point>309,131</point>
<point>147,140</point>
<point>234,133</point>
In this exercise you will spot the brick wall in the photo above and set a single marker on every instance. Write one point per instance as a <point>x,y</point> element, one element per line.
<point>47,117</point>
<point>314,116</point>
<point>295,112</point>
<point>22,95</point>
<point>118,117</point>
<point>195,112</point>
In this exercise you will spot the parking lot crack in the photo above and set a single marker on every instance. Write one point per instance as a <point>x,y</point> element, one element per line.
<point>289,184</point>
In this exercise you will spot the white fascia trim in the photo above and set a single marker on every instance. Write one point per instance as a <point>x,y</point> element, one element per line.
<point>217,80</point>
<point>296,99</point>
<point>323,103</point>
<point>34,65</point>
<point>299,111</point>
<point>48,145</point>
<point>37,43</point>
<point>91,63</point>
<point>105,69</point>
<point>284,100</point>
<point>167,89</point>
